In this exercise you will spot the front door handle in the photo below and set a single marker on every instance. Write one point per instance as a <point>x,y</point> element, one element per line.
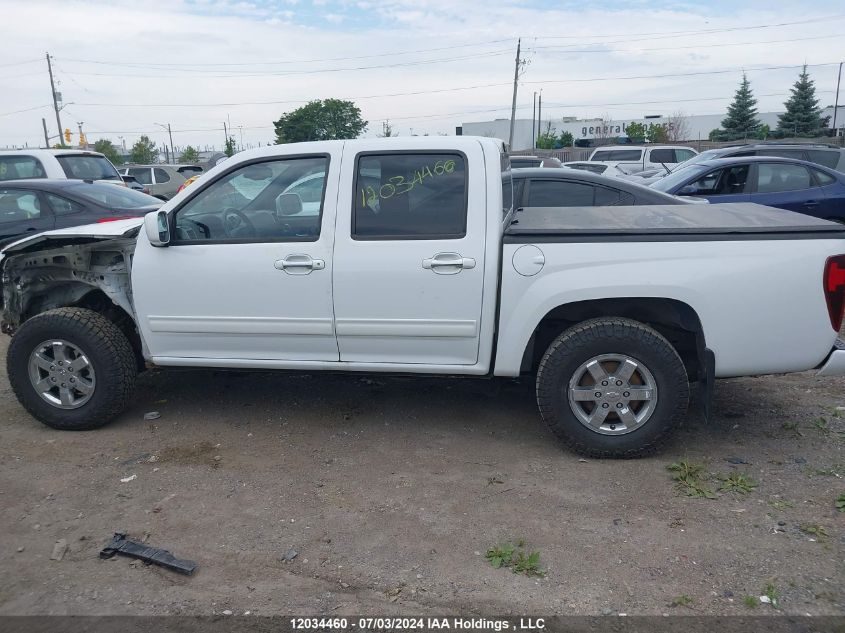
<point>299,264</point>
<point>448,263</point>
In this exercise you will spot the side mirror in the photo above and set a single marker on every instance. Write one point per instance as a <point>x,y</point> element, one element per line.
<point>158,231</point>
<point>288,204</point>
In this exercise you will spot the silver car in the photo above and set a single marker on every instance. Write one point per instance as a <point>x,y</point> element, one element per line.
<point>163,181</point>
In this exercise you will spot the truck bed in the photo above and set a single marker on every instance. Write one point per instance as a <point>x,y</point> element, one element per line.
<point>737,221</point>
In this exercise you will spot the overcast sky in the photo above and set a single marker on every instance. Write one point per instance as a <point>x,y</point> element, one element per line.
<point>125,66</point>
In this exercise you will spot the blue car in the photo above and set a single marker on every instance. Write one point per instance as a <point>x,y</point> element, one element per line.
<point>795,185</point>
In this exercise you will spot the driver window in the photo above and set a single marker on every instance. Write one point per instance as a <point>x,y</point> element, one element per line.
<point>271,201</point>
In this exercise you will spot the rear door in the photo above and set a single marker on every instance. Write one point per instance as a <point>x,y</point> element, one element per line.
<point>786,186</point>
<point>22,212</point>
<point>409,256</point>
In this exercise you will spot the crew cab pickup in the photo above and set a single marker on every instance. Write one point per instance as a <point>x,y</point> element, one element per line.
<point>406,256</point>
<point>631,159</point>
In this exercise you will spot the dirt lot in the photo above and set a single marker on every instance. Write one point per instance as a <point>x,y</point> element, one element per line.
<point>392,490</point>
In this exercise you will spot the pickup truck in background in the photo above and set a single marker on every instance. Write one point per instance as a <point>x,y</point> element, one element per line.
<point>405,255</point>
<point>632,159</point>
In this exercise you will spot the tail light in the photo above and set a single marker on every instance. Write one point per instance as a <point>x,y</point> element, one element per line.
<point>834,289</point>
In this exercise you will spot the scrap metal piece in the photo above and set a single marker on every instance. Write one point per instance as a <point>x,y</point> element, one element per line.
<point>120,545</point>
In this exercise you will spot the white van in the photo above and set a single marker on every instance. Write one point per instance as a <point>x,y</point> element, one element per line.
<point>636,158</point>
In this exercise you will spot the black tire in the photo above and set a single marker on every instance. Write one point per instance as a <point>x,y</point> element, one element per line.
<point>596,337</point>
<point>105,346</point>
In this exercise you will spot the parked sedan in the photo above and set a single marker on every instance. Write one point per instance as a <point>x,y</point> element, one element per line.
<point>794,185</point>
<point>539,187</point>
<point>35,205</point>
<point>605,169</point>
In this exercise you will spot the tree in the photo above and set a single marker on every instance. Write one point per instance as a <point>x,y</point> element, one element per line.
<point>741,120</point>
<point>636,132</point>
<point>803,114</point>
<point>566,139</point>
<point>657,133</point>
<point>144,151</point>
<point>679,127</point>
<point>320,120</point>
<point>189,155</point>
<point>763,132</point>
<point>387,130</point>
<point>229,148</point>
<point>548,139</point>
<point>107,148</point>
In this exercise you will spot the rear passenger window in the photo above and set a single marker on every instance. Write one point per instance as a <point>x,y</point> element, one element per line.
<point>828,158</point>
<point>161,176</point>
<point>142,175</point>
<point>410,196</point>
<point>774,177</point>
<point>559,193</point>
<point>612,197</point>
<point>662,156</point>
<point>14,167</point>
<point>63,206</point>
<point>823,178</point>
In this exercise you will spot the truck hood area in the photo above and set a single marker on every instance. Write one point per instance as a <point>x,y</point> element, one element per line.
<point>77,234</point>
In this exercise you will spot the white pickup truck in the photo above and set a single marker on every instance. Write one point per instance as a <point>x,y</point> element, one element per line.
<point>405,256</point>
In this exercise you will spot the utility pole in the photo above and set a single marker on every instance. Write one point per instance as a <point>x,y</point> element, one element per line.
<point>533,119</point>
<point>172,152</point>
<point>513,103</point>
<point>225,133</point>
<point>46,136</point>
<point>540,114</point>
<point>55,100</point>
<point>836,103</point>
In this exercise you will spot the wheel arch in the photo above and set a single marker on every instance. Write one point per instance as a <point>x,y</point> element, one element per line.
<point>676,320</point>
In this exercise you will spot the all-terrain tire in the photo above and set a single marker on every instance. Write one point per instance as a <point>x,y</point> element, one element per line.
<point>611,336</point>
<point>106,348</point>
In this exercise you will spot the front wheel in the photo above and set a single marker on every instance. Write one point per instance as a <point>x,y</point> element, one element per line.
<point>612,387</point>
<point>71,368</point>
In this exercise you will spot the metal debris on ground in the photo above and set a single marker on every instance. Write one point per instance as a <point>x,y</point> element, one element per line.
<point>121,545</point>
<point>152,415</point>
<point>289,555</point>
<point>125,480</point>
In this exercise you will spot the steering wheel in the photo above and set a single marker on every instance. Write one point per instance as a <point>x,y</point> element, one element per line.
<point>234,220</point>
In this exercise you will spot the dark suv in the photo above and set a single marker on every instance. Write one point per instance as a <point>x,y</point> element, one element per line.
<point>827,155</point>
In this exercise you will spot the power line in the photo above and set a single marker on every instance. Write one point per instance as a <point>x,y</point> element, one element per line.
<point>28,61</point>
<point>26,109</point>
<point>678,48</point>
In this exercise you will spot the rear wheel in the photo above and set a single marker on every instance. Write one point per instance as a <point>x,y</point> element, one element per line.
<point>71,368</point>
<point>612,387</point>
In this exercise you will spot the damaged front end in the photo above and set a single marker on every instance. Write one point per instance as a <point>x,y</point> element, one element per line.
<point>53,271</point>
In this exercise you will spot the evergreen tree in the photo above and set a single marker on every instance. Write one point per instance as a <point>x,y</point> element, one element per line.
<point>803,114</point>
<point>741,121</point>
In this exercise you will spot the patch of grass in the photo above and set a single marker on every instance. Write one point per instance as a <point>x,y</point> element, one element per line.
<point>834,470</point>
<point>738,482</point>
<point>840,502</point>
<point>780,504</point>
<point>515,557</point>
<point>822,426</point>
<point>681,601</point>
<point>813,529</point>
<point>688,477</point>
<point>793,427</point>
<point>836,412</point>
<point>772,594</point>
<point>751,602</point>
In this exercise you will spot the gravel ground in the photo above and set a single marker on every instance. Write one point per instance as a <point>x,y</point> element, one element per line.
<point>391,490</point>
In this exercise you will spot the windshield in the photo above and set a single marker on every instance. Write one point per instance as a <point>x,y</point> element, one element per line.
<point>114,197</point>
<point>708,155</point>
<point>678,176</point>
<point>88,167</point>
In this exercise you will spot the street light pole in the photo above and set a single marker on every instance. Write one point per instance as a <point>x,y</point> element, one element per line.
<point>55,99</point>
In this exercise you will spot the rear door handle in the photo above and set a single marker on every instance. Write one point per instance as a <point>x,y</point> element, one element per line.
<point>811,203</point>
<point>448,263</point>
<point>299,264</point>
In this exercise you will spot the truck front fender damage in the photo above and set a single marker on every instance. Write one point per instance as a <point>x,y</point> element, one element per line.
<point>63,272</point>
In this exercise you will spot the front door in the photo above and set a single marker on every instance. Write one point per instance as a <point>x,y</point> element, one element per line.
<point>22,214</point>
<point>248,274</point>
<point>409,257</point>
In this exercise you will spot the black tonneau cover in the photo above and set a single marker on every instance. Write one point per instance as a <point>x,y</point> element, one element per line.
<point>736,221</point>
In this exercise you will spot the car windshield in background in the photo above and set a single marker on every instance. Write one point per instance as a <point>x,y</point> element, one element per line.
<point>113,196</point>
<point>618,154</point>
<point>708,155</point>
<point>87,167</point>
<point>678,176</point>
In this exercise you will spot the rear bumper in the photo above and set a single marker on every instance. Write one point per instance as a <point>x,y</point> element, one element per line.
<point>835,363</point>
